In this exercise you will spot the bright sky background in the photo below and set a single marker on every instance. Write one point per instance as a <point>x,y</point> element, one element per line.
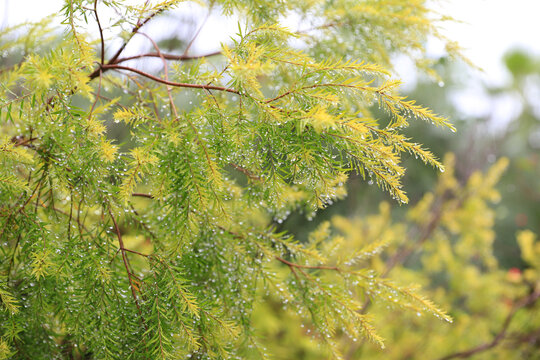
<point>489,28</point>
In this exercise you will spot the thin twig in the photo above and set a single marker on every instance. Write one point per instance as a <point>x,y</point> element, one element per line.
<point>70,214</point>
<point>124,258</point>
<point>401,256</point>
<point>136,252</point>
<point>21,141</point>
<point>142,222</point>
<point>246,172</point>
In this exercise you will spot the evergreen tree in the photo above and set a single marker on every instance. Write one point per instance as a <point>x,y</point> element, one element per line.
<point>162,247</point>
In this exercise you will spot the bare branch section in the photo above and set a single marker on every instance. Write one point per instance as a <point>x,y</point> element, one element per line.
<point>148,196</point>
<point>100,33</point>
<point>124,258</point>
<point>115,59</point>
<point>171,83</point>
<point>172,57</point>
<point>135,29</point>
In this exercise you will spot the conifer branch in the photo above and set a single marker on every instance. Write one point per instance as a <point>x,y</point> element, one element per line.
<point>171,83</point>
<point>125,260</point>
<point>62,212</point>
<point>141,222</point>
<point>289,150</point>
<point>314,86</point>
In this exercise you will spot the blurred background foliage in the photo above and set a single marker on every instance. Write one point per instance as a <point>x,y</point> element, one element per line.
<point>477,144</point>
<point>468,235</point>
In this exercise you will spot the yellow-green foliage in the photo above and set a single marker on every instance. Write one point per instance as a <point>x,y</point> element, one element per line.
<point>162,245</point>
<point>444,243</point>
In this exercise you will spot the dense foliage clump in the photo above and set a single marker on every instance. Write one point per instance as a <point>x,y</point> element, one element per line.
<point>163,245</point>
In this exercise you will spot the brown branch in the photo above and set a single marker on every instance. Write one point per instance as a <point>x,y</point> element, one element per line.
<point>531,337</point>
<point>501,335</point>
<point>6,104</point>
<point>8,219</point>
<point>234,234</point>
<point>154,106</point>
<point>286,262</point>
<point>70,214</point>
<point>136,252</point>
<point>172,57</point>
<point>171,83</point>
<point>21,141</point>
<point>12,260</point>
<point>403,254</point>
<point>100,33</point>
<point>55,209</point>
<point>293,267</point>
<point>246,172</point>
<point>80,226</point>
<point>135,29</point>
<point>124,258</point>
<point>148,196</point>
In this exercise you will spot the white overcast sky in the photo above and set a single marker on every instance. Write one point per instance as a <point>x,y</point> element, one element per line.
<point>489,28</point>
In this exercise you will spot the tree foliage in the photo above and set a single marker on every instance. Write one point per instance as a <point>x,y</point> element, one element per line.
<point>163,246</point>
<point>445,243</point>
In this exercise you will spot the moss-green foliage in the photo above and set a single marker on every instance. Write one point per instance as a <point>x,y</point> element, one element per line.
<point>162,248</point>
